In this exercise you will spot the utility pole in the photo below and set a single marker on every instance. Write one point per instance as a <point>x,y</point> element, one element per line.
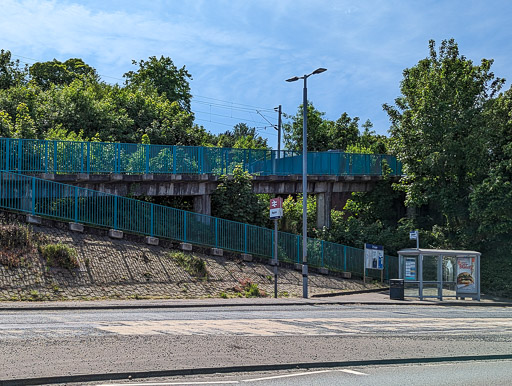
<point>278,109</point>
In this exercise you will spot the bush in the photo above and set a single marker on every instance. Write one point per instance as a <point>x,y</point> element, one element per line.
<point>16,242</point>
<point>194,265</point>
<point>60,256</point>
<point>249,289</point>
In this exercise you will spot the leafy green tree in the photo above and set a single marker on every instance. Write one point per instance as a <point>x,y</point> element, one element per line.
<point>163,76</point>
<point>234,200</point>
<point>24,126</point>
<point>437,127</point>
<point>5,125</point>
<point>55,72</point>
<point>292,215</point>
<point>11,73</point>
<point>318,130</point>
<point>241,137</point>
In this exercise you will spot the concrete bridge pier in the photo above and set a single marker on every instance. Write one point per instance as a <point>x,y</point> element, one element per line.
<point>203,204</point>
<point>323,209</point>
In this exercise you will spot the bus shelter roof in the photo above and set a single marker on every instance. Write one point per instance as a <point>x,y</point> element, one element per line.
<point>436,252</point>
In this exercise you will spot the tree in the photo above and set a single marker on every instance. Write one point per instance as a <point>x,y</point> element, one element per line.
<point>437,132</point>
<point>24,126</point>
<point>241,137</point>
<point>11,74</point>
<point>164,77</point>
<point>234,200</point>
<point>46,74</point>
<point>324,135</point>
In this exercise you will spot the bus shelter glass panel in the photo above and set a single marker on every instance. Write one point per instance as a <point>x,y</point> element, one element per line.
<point>449,282</point>
<point>410,275</point>
<point>431,282</point>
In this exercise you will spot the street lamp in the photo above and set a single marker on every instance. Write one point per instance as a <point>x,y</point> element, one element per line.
<point>305,179</point>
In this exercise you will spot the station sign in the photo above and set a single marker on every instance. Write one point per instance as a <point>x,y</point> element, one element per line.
<point>373,256</point>
<point>276,208</point>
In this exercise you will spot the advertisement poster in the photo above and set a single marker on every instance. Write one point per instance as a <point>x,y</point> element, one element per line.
<point>373,256</point>
<point>410,268</point>
<point>466,275</point>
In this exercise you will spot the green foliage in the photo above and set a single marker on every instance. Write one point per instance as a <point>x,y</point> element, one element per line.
<point>249,289</point>
<point>323,135</point>
<point>6,128</point>
<point>48,74</point>
<point>292,215</point>
<point>437,130</point>
<point>164,77</point>
<point>194,265</point>
<point>60,256</point>
<point>234,200</point>
<point>11,75</point>
<point>241,137</point>
<point>16,242</point>
<point>24,126</point>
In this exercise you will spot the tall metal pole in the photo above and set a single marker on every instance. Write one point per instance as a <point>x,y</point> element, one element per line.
<point>279,133</point>
<point>275,262</point>
<point>305,191</point>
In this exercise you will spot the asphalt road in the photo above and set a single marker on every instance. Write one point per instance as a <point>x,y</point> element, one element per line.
<point>474,373</point>
<point>160,341</point>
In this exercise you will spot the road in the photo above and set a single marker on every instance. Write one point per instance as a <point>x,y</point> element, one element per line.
<point>160,341</point>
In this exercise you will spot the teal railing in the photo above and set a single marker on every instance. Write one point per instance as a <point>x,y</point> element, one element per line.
<point>42,156</point>
<point>71,203</point>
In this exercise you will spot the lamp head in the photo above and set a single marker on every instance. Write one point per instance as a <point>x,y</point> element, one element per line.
<point>293,79</point>
<point>319,70</point>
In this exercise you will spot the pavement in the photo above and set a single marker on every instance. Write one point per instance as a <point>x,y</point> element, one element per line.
<point>359,297</point>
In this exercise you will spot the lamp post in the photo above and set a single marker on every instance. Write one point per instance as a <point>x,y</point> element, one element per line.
<point>305,179</point>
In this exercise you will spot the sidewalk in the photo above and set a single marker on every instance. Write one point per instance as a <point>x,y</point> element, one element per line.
<point>367,298</point>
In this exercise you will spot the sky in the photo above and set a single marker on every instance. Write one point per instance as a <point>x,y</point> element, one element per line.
<point>240,52</point>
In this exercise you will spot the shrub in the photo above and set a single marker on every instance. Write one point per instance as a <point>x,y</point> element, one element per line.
<point>16,241</point>
<point>249,289</point>
<point>59,255</point>
<point>194,265</point>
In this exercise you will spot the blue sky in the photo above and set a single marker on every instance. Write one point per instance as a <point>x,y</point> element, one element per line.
<point>240,52</point>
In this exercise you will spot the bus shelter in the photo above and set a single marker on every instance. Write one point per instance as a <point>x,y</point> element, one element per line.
<point>438,273</point>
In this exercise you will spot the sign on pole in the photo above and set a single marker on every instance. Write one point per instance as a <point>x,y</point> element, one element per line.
<point>413,235</point>
<point>276,208</point>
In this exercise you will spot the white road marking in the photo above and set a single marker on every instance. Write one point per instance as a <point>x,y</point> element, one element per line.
<point>287,376</point>
<point>353,372</point>
<point>172,383</point>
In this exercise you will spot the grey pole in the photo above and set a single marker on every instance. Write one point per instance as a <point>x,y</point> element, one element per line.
<point>305,190</point>
<point>279,132</point>
<point>304,180</point>
<point>275,262</point>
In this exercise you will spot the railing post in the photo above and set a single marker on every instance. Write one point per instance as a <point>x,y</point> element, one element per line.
<point>46,156</point>
<point>322,253</point>
<point>76,204</point>
<point>146,149</point>
<point>273,161</point>
<point>245,238</point>
<point>88,159</point>
<point>115,212</point>
<point>81,157</point>
<point>19,154</point>
<point>54,156</point>
<point>184,226</point>
<point>33,195</point>
<point>200,159</point>
<point>345,258</point>
<point>174,159</point>
<point>243,164</point>
<point>151,230</point>
<point>216,233</point>
<point>298,249</point>
<point>116,158</point>
<point>7,154</point>
<point>249,162</point>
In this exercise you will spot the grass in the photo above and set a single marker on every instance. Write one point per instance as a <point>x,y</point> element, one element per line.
<point>59,256</point>
<point>194,265</point>
<point>16,242</point>
<point>249,289</point>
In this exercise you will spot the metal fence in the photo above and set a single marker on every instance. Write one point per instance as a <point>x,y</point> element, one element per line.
<point>42,156</point>
<point>71,203</point>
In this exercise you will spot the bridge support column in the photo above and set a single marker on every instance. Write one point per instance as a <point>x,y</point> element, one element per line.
<point>323,209</point>
<point>203,204</point>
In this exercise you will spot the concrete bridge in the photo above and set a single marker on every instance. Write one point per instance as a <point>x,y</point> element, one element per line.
<point>331,192</point>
